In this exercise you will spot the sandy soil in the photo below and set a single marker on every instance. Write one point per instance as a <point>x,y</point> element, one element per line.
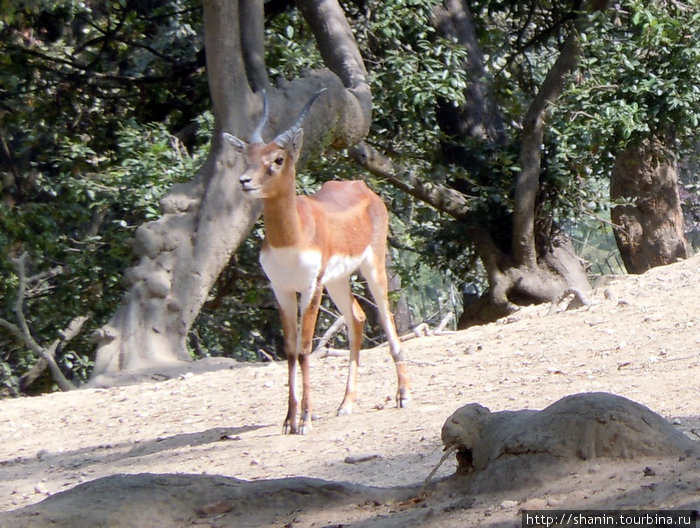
<point>202,430</point>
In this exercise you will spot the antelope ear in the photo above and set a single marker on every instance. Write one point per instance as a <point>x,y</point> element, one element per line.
<point>239,145</point>
<point>295,143</point>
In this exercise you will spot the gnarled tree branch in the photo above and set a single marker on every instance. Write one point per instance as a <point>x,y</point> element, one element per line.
<point>23,334</point>
<point>252,21</point>
<point>441,197</point>
<point>480,117</point>
<point>341,55</point>
<point>527,184</point>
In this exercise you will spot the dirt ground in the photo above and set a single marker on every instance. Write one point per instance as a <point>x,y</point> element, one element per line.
<point>205,448</point>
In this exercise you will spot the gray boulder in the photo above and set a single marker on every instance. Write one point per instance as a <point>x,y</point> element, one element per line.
<point>516,448</point>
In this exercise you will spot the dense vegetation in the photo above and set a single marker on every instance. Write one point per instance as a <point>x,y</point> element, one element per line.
<point>103,107</point>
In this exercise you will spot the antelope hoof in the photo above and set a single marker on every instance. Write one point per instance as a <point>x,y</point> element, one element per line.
<point>289,428</point>
<point>345,409</point>
<point>305,429</point>
<point>304,423</point>
<point>403,399</point>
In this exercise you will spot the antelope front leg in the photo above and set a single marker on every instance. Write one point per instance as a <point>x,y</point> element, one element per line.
<point>290,422</point>
<point>306,404</point>
<point>287,303</point>
<point>309,312</point>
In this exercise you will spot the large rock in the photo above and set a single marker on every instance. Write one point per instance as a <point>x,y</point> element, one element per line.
<point>516,448</point>
<point>174,501</point>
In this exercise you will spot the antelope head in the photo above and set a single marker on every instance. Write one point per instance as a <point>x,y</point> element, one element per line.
<point>269,167</point>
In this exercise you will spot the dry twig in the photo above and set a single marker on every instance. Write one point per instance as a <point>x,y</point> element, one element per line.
<point>23,334</point>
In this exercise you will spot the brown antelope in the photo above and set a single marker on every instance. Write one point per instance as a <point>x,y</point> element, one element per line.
<point>312,242</point>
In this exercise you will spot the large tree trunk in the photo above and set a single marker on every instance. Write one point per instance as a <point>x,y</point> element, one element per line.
<point>648,229</point>
<point>181,254</point>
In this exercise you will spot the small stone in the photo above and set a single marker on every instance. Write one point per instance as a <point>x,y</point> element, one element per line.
<point>358,459</point>
<point>41,489</point>
<point>555,370</point>
<point>554,502</point>
<point>595,468</point>
<point>535,504</point>
<point>508,504</point>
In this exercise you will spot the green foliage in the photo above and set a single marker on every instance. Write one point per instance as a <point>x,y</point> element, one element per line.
<point>638,79</point>
<point>410,67</point>
<point>96,103</point>
<point>71,69</point>
<point>91,206</point>
<point>290,46</point>
<point>646,83</point>
<point>93,99</point>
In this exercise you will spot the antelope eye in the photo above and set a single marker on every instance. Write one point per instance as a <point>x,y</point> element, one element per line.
<point>279,161</point>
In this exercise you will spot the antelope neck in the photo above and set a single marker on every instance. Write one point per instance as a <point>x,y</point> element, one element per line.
<point>282,223</point>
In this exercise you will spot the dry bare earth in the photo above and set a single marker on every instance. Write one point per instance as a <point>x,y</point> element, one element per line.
<point>171,453</point>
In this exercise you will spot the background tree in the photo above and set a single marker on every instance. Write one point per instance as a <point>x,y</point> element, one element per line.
<point>523,253</point>
<point>104,108</point>
<point>638,103</point>
<point>519,230</point>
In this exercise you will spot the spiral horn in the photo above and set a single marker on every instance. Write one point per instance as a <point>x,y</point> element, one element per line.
<point>285,137</point>
<point>256,136</point>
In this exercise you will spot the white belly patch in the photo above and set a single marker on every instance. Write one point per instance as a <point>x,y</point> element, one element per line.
<point>343,265</point>
<point>293,270</point>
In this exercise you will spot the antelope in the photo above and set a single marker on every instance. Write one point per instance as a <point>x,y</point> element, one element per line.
<point>312,242</point>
